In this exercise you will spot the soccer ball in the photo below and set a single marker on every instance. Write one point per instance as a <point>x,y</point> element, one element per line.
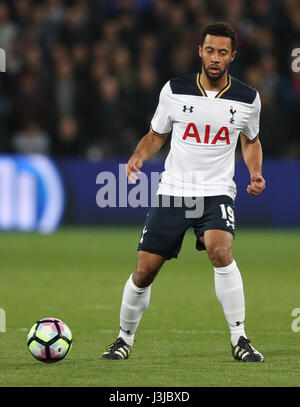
<point>49,340</point>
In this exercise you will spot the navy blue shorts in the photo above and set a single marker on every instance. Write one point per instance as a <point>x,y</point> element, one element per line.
<point>165,225</point>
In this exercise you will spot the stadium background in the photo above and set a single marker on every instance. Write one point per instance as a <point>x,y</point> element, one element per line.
<point>81,85</point>
<point>83,79</point>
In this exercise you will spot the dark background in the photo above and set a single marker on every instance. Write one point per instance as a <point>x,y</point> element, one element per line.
<point>83,77</point>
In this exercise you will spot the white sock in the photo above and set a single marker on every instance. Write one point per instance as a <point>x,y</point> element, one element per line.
<point>230,293</point>
<point>134,302</point>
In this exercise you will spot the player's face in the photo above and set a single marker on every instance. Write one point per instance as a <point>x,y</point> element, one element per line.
<point>216,53</point>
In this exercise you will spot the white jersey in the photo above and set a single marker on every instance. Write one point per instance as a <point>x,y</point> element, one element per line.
<point>205,128</point>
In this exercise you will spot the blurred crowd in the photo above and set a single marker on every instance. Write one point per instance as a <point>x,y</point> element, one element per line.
<point>83,77</point>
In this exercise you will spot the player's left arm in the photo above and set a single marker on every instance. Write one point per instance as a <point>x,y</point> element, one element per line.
<point>253,157</point>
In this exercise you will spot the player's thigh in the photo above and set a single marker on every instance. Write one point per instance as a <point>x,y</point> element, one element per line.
<point>164,228</point>
<point>218,246</point>
<point>218,215</point>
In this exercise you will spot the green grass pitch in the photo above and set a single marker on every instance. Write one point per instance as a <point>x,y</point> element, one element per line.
<point>78,275</point>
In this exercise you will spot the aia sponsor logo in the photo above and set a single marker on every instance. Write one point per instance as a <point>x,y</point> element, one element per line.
<point>192,132</point>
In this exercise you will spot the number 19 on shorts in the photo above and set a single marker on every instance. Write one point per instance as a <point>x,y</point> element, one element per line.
<point>228,215</point>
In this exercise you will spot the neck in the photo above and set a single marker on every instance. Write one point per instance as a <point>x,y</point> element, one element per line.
<point>214,86</point>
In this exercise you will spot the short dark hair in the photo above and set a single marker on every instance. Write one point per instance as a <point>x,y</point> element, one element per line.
<point>220,29</point>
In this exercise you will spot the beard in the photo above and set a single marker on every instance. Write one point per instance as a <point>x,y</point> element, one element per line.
<point>214,77</point>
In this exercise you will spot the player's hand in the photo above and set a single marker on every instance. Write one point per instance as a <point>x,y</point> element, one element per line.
<point>133,167</point>
<point>258,184</point>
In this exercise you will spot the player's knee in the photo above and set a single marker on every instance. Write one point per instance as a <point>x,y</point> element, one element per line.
<point>144,274</point>
<point>220,255</point>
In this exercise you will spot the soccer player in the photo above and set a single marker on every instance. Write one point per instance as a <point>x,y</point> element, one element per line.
<point>205,113</point>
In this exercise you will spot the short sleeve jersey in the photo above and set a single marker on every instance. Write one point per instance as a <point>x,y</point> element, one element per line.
<point>204,128</point>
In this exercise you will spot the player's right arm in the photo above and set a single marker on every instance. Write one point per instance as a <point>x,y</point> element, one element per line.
<point>149,145</point>
<point>161,126</point>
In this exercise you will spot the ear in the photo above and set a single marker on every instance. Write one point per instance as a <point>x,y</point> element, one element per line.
<point>200,51</point>
<point>233,55</point>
